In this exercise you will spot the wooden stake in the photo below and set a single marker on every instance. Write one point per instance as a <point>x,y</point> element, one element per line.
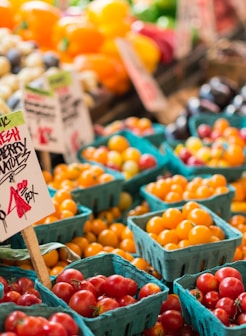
<point>32,245</point>
<point>45,161</point>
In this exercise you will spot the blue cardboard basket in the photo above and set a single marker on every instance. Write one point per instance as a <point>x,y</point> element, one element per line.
<point>61,231</point>
<point>219,204</point>
<point>172,264</point>
<point>198,315</point>
<point>133,184</point>
<point>44,311</point>
<point>176,166</point>
<point>1,290</point>
<point>123,321</point>
<point>156,138</point>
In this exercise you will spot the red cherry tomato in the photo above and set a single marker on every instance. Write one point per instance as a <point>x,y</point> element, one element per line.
<point>228,305</point>
<point>83,302</point>
<point>12,320</point>
<point>85,284</point>
<point>231,287</point>
<point>149,289</point>
<point>116,286</point>
<point>106,304</point>
<point>55,329</point>
<point>69,275</point>
<point>222,315</point>
<point>30,326</point>
<point>207,282</point>
<point>98,282</point>
<point>13,286</point>
<point>227,271</point>
<point>63,290</point>
<point>171,320</point>
<point>241,300</point>
<point>172,302</point>
<point>67,321</point>
<point>132,286</point>
<point>156,330</point>
<point>126,300</point>
<point>241,319</point>
<point>24,284</point>
<point>11,296</point>
<point>28,300</point>
<point>33,291</point>
<point>210,299</point>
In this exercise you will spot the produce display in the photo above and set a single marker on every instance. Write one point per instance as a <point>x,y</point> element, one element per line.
<point>146,205</point>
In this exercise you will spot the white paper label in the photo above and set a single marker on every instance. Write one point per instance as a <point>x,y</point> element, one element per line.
<point>183,43</point>
<point>77,125</point>
<point>147,87</point>
<point>42,113</point>
<point>24,195</point>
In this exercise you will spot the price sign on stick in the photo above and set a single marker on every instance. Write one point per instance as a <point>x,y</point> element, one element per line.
<point>183,32</point>
<point>24,195</point>
<point>62,4</point>
<point>76,122</point>
<point>147,88</point>
<point>41,108</point>
<point>240,7</point>
<point>206,16</point>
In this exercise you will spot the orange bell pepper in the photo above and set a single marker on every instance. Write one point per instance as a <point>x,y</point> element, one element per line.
<point>6,14</point>
<point>76,35</point>
<point>35,20</point>
<point>110,71</point>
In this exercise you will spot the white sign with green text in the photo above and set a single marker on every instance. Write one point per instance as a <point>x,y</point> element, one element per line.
<point>24,197</point>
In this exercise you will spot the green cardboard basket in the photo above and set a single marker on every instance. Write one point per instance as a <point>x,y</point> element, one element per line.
<point>133,184</point>
<point>195,121</point>
<point>44,311</point>
<point>61,231</point>
<point>219,204</point>
<point>198,315</point>
<point>124,321</point>
<point>172,264</point>
<point>176,166</point>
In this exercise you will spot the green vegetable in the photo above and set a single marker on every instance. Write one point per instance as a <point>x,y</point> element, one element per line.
<point>146,13</point>
<point>6,252</point>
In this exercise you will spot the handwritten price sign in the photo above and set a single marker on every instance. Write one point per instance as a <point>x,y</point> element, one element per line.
<point>24,195</point>
<point>77,129</point>
<point>41,108</point>
<point>183,45</point>
<point>148,90</point>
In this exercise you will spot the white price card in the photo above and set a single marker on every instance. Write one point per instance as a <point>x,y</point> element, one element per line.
<point>61,4</point>
<point>207,20</point>
<point>183,31</point>
<point>240,7</point>
<point>77,124</point>
<point>42,113</point>
<point>147,87</point>
<point>24,197</point>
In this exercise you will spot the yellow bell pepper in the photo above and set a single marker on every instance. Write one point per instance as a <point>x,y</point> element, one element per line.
<point>105,11</point>
<point>146,49</point>
<point>19,3</point>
